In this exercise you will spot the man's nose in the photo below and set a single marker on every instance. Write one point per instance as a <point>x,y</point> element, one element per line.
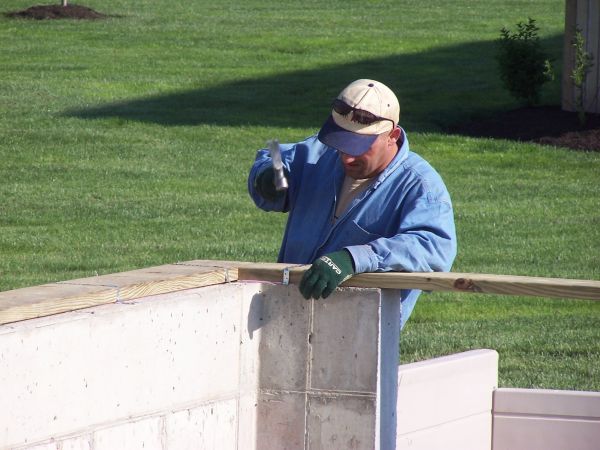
<point>347,159</point>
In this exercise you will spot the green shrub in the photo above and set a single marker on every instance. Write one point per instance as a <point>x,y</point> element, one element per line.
<point>523,64</point>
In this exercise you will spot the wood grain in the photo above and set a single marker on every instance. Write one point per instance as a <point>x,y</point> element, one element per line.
<point>445,281</point>
<point>54,298</point>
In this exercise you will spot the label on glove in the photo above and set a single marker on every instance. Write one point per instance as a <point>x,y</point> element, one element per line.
<point>331,264</point>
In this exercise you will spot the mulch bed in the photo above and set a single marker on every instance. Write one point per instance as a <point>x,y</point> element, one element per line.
<point>48,12</point>
<point>548,125</point>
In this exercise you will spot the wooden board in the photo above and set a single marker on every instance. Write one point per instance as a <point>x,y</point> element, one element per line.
<point>54,298</point>
<point>444,281</point>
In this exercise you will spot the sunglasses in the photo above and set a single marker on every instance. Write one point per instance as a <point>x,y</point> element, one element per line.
<point>358,115</point>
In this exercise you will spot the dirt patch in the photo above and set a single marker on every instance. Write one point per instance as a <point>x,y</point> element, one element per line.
<point>49,12</point>
<point>548,125</point>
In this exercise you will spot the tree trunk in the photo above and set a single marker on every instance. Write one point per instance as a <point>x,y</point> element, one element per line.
<point>64,2</point>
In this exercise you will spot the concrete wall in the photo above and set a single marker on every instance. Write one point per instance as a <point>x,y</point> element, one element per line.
<point>250,366</point>
<point>446,403</point>
<point>320,369</point>
<point>233,366</point>
<point>140,374</point>
<point>534,419</point>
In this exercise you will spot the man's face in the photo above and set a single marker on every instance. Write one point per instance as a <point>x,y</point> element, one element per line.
<point>375,160</point>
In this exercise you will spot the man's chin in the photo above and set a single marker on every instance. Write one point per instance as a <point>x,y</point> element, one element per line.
<point>354,172</point>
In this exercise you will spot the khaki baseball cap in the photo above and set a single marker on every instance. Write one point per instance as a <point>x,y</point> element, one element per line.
<point>361,112</point>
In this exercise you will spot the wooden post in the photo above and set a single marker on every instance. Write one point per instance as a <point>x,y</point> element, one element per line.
<point>585,16</point>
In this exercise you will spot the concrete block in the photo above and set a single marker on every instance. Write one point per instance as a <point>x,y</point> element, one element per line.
<point>247,421</point>
<point>468,433</point>
<point>283,317</point>
<point>345,341</point>
<point>542,433</point>
<point>249,339</point>
<point>145,434</point>
<point>49,446</point>
<point>341,422</point>
<point>536,419</point>
<point>337,403</point>
<point>76,443</point>
<point>211,426</point>
<point>281,421</point>
<point>446,389</point>
<point>67,372</point>
<point>547,402</point>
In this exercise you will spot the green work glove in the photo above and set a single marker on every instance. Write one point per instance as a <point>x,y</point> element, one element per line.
<point>325,274</point>
<point>265,185</point>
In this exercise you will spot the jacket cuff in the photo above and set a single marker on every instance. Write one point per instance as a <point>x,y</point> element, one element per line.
<point>365,259</point>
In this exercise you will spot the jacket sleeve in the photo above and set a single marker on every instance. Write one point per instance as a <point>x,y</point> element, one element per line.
<point>262,161</point>
<point>294,157</point>
<point>425,240</point>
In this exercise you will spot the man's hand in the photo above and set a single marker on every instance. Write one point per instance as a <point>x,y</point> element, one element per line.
<point>326,273</point>
<point>264,184</point>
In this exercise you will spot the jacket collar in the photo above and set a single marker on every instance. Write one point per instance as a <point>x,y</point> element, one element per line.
<point>396,162</point>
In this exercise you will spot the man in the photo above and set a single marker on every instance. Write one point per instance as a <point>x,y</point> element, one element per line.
<point>358,200</point>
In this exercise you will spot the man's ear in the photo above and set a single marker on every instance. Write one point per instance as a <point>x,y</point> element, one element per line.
<point>395,135</point>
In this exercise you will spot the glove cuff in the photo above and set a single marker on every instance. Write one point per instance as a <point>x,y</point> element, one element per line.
<point>341,263</point>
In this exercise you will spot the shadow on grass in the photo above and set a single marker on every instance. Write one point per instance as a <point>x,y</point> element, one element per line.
<point>436,88</point>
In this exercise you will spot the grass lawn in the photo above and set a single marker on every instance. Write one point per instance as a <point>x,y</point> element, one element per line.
<point>126,142</point>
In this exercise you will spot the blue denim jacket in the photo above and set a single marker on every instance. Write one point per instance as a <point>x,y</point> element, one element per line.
<point>402,222</point>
